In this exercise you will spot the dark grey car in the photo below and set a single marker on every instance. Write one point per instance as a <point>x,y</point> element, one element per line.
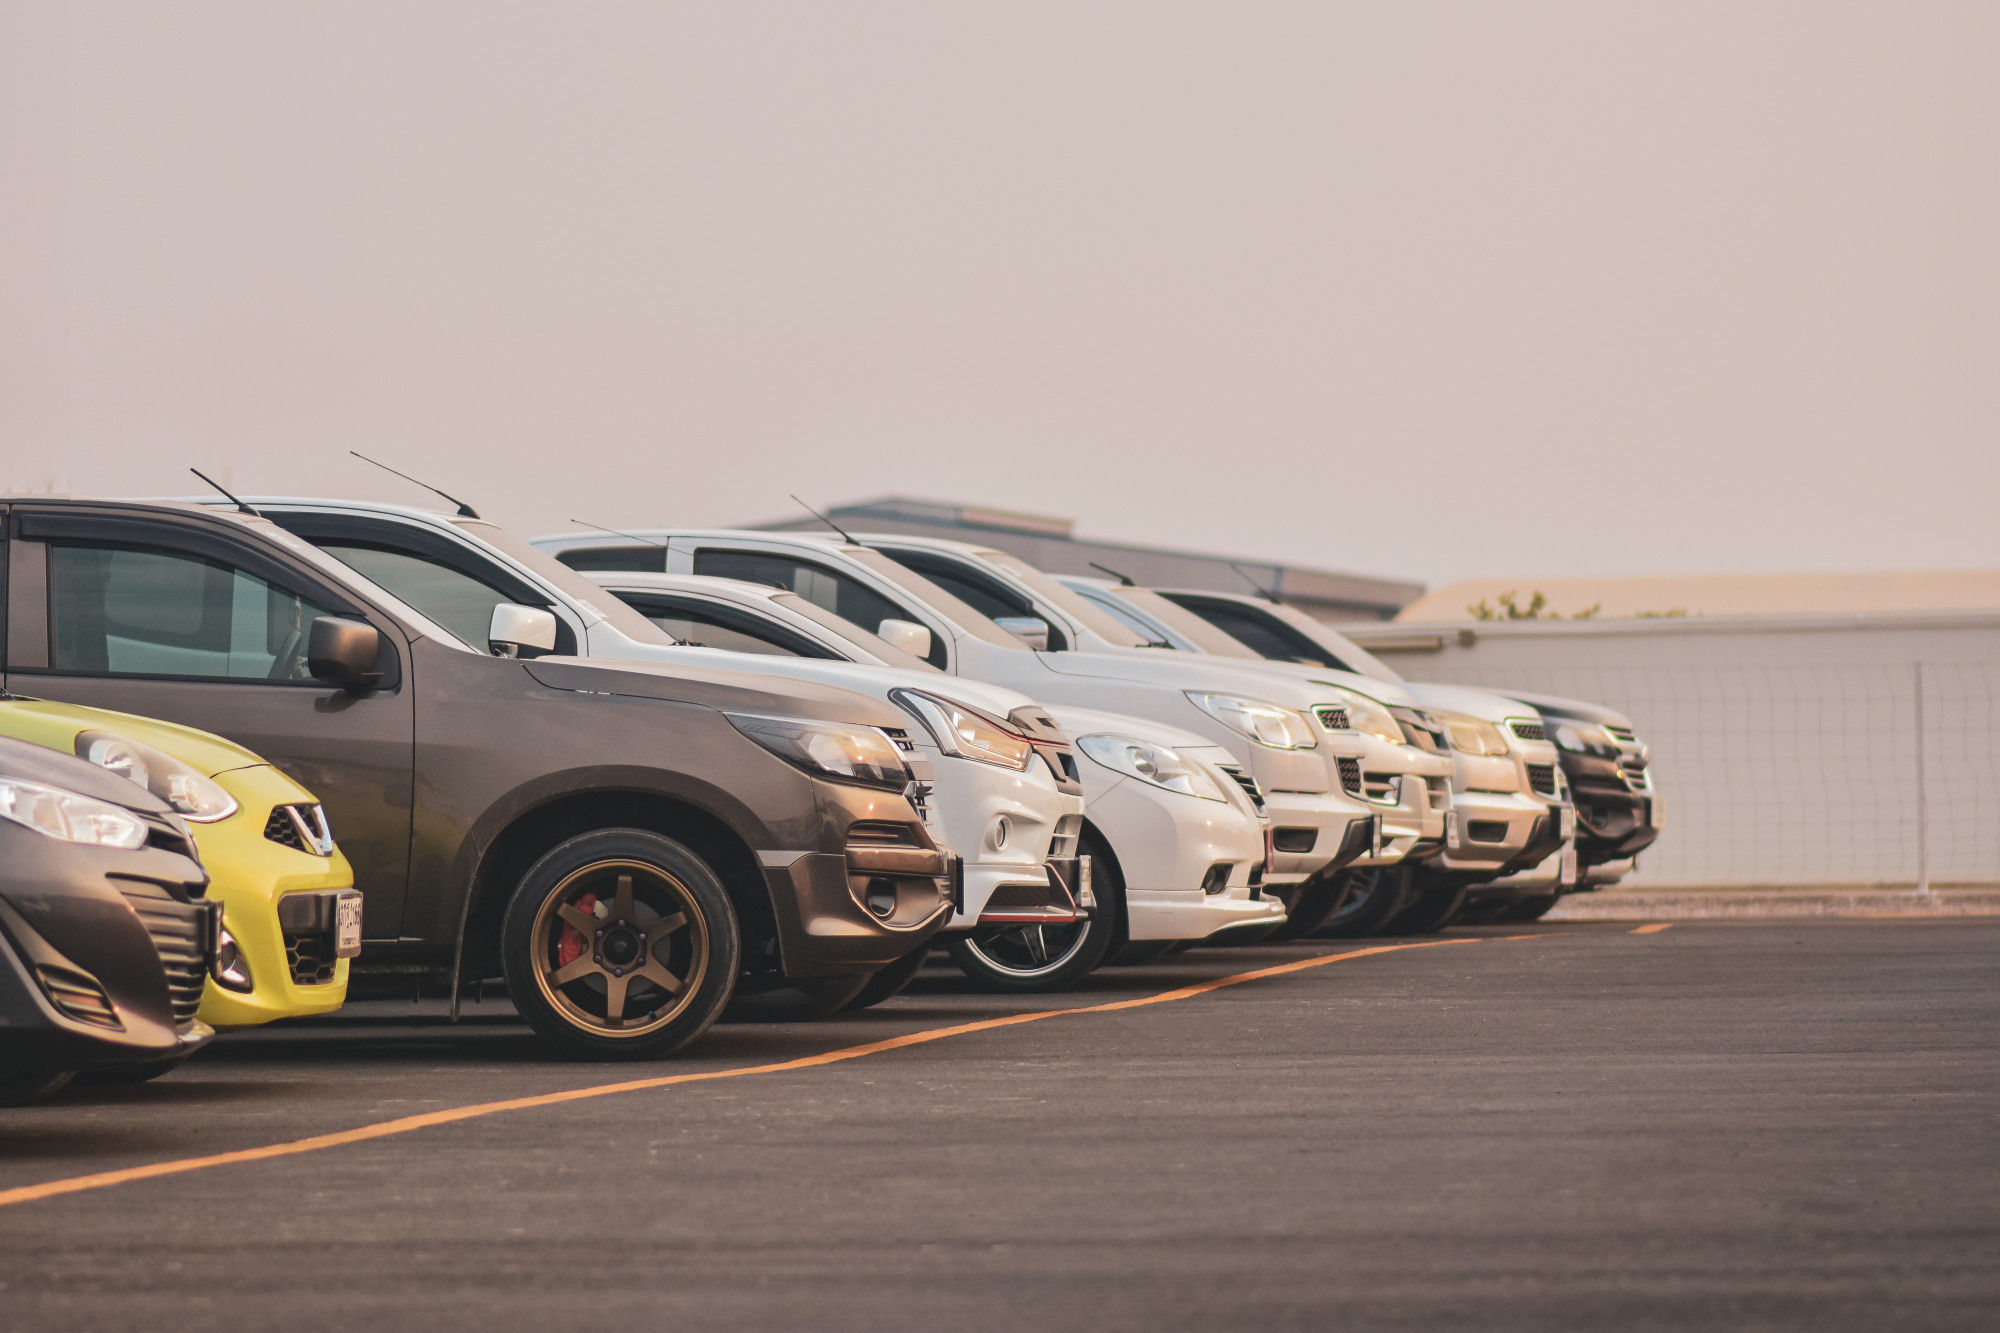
<point>625,844</point>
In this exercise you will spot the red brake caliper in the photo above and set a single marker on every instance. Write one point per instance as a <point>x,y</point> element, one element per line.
<point>571,944</point>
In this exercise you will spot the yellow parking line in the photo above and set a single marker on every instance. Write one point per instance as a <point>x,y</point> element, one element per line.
<point>431,1119</point>
<point>1654,928</point>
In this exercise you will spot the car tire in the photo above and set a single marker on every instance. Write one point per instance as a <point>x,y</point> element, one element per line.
<point>1009,959</point>
<point>1377,896</point>
<point>891,981</point>
<point>1310,905</point>
<point>22,1086</point>
<point>1531,908</point>
<point>616,918</point>
<point>1433,904</point>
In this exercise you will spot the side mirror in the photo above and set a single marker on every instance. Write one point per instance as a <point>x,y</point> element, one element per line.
<point>343,653</point>
<point>520,631</point>
<point>1031,630</point>
<point>908,635</point>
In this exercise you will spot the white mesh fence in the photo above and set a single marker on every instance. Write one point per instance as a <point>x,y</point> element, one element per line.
<point>1805,774</point>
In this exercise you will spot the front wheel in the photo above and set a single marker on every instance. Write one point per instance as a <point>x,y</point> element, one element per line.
<point>1433,904</point>
<point>1027,959</point>
<point>21,1086</point>
<point>1376,898</point>
<point>620,944</point>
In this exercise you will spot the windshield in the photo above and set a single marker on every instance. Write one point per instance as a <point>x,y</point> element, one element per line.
<point>926,593</point>
<point>1186,623</point>
<point>1354,657</point>
<point>572,585</point>
<point>878,648</point>
<point>1069,602</point>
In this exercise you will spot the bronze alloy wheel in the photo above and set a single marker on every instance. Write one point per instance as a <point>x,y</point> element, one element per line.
<point>620,948</point>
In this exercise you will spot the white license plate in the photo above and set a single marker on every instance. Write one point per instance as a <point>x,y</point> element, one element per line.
<point>1568,822</point>
<point>1451,828</point>
<point>1568,864</point>
<point>1375,835</point>
<point>1084,897</point>
<point>1659,810</point>
<point>347,925</point>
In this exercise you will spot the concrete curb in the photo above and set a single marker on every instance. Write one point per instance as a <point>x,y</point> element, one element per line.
<point>1711,904</point>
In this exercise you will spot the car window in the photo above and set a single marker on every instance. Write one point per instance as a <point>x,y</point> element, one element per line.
<point>979,589</point>
<point>462,604</point>
<point>878,648</point>
<point>1108,603</point>
<point>828,589</point>
<point>1178,620</point>
<point>1066,600</point>
<point>147,611</point>
<point>708,626</point>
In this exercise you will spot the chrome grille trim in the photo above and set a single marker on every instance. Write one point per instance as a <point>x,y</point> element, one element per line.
<point>1528,731</point>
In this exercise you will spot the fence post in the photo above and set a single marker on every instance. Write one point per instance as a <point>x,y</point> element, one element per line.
<point>1923,803</point>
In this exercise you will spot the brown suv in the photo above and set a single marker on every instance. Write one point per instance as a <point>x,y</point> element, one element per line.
<point>624,843</point>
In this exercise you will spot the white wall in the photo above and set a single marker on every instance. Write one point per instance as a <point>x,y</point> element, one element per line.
<point>1787,748</point>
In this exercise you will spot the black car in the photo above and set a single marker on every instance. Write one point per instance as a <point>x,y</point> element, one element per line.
<point>105,933</point>
<point>1618,812</point>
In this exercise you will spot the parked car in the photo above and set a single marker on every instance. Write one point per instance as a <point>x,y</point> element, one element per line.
<point>1004,793</point>
<point>1510,819</point>
<point>1311,775</point>
<point>105,933</point>
<point>1618,814</point>
<point>291,918</point>
<point>1169,865</point>
<point>625,843</point>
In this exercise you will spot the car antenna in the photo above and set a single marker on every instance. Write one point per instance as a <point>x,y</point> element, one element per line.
<point>829,522</point>
<point>1255,586</point>
<point>464,510</point>
<point>620,532</point>
<point>1125,579</point>
<point>225,494</point>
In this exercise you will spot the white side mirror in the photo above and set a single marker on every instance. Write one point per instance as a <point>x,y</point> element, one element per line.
<point>1031,630</point>
<point>515,628</point>
<point>908,635</point>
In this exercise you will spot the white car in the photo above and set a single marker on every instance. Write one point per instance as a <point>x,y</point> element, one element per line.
<point>1005,795</point>
<point>1297,739</point>
<point>1172,825</point>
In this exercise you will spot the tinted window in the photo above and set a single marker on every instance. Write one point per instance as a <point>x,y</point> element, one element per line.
<point>649,559</point>
<point>828,589</point>
<point>144,611</point>
<point>462,604</point>
<point>718,627</point>
<point>984,593</point>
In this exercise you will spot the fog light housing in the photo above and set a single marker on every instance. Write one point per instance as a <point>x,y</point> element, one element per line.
<point>232,969</point>
<point>881,897</point>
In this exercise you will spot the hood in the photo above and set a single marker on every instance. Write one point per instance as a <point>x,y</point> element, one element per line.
<point>871,678</point>
<point>1550,705</point>
<point>34,763</point>
<point>723,689</point>
<point>1087,721</point>
<point>1283,683</point>
<point>1482,704</point>
<point>55,726</point>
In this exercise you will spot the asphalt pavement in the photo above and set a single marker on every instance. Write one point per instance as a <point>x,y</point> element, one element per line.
<point>1787,1123</point>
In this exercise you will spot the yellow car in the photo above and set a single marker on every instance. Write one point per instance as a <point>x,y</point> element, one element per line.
<point>291,917</point>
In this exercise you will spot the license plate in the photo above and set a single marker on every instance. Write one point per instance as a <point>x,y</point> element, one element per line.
<point>1568,822</point>
<point>1085,899</point>
<point>1375,835</point>
<point>1451,828</point>
<point>1270,849</point>
<point>347,925</point>
<point>1568,864</point>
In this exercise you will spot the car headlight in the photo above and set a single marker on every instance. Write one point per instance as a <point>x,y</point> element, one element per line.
<point>232,969</point>
<point>1369,715</point>
<point>969,735</point>
<point>1470,734</point>
<point>1582,737</point>
<point>1266,724</point>
<point>194,796</point>
<point>828,749</point>
<point>68,817</point>
<point>1151,763</point>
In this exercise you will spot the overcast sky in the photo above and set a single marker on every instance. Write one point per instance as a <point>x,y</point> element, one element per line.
<point>1423,290</point>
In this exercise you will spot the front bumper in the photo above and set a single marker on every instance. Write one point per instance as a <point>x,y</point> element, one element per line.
<point>1492,832</point>
<point>1312,831</point>
<point>1415,821</point>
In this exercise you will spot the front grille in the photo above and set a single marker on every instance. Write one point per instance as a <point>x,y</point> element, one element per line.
<point>1017,897</point>
<point>1637,779</point>
<point>302,828</point>
<point>311,958</point>
<point>1623,735</point>
<point>178,933</point>
<point>1419,730</point>
<point>1440,790</point>
<point>1247,783</point>
<point>1062,845</point>
<point>1529,731</point>
<point>1542,779</point>
<point>1332,716</point>
<point>78,996</point>
<point>1380,788</point>
<point>1350,776</point>
<point>881,833</point>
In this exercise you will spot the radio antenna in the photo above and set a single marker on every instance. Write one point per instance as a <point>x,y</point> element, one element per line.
<point>225,493</point>
<point>1255,586</point>
<point>464,510</point>
<point>1125,579</point>
<point>620,532</point>
<point>829,522</point>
